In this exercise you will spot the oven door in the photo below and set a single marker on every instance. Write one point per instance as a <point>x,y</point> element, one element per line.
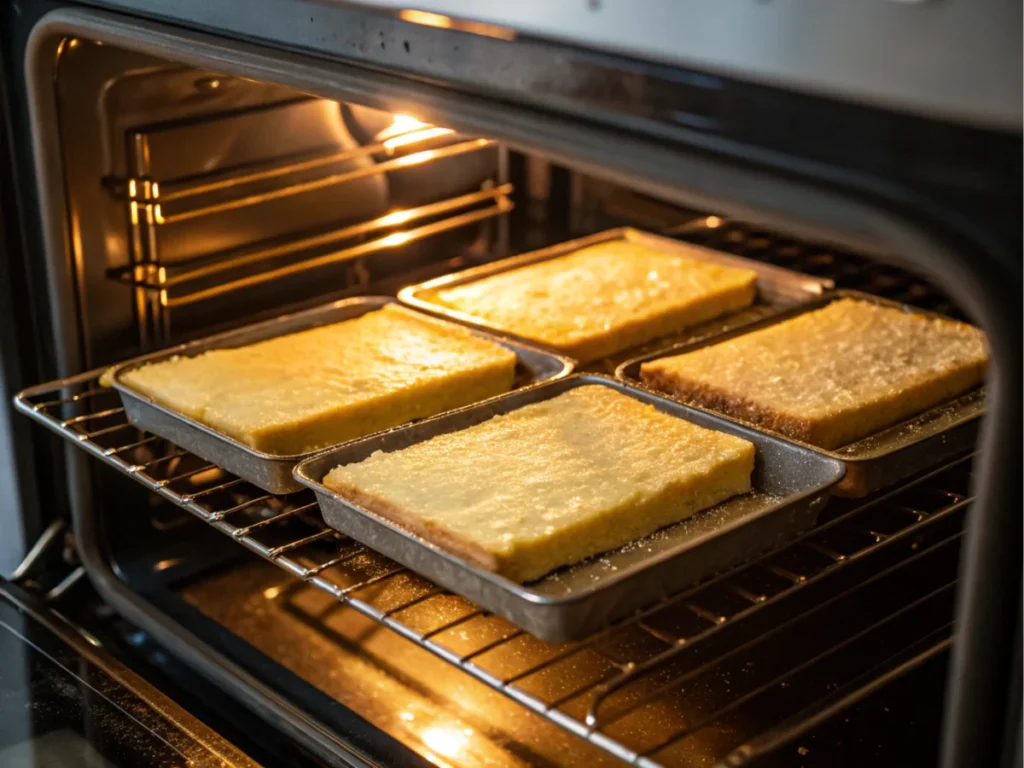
<point>788,169</point>
<point>65,702</point>
<point>21,518</point>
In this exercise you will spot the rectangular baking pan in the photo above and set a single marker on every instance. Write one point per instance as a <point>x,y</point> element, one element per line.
<point>790,487</point>
<point>271,472</point>
<point>881,459</point>
<point>776,287</point>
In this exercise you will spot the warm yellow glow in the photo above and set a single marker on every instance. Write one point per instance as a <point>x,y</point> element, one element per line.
<point>132,188</point>
<point>414,137</point>
<point>403,124</point>
<point>425,18</point>
<point>395,217</point>
<point>72,44</point>
<point>712,222</point>
<point>446,740</point>
<point>416,158</point>
<point>133,212</point>
<point>428,19</point>
<point>155,189</point>
<point>398,238</point>
<point>271,592</point>
<point>158,214</point>
<point>91,639</point>
<point>405,129</point>
<point>213,473</point>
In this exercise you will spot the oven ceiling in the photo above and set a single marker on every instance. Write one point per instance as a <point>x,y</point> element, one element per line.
<point>951,59</point>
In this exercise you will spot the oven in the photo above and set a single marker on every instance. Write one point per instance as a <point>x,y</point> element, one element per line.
<point>180,169</point>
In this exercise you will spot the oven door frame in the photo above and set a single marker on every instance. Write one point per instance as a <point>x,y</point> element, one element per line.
<point>975,258</point>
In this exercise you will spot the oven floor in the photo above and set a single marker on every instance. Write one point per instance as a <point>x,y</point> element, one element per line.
<point>430,706</point>
<point>453,720</point>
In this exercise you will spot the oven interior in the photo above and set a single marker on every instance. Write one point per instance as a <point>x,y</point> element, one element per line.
<point>199,202</point>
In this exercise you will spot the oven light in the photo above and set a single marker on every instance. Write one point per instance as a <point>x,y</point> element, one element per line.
<point>415,136</point>
<point>403,124</point>
<point>712,222</point>
<point>405,129</point>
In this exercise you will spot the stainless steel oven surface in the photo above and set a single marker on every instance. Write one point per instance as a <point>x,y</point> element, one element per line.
<point>178,170</point>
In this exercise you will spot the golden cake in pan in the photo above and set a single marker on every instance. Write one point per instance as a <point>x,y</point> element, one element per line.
<point>604,298</point>
<point>551,483</point>
<point>831,376</point>
<point>308,390</point>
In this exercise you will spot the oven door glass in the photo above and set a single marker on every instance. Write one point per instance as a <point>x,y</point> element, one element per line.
<point>57,710</point>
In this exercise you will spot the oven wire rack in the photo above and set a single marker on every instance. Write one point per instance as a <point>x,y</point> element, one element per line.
<point>847,270</point>
<point>857,543</point>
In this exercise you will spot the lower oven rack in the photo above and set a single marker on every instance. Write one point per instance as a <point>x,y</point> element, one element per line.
<point>856,544</point>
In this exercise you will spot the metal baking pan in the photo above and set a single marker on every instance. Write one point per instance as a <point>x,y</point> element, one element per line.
<point>271,472</point>
<point>776,288</point>
<point>790,486</point>
<point>881,459</point>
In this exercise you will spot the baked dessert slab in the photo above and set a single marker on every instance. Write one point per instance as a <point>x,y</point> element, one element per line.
<point>551,483</point>
<point>603,298</point>
<point>831,376</point>
<point>303,391</point>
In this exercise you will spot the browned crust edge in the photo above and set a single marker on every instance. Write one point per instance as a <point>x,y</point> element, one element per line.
<point>828,434</point>
<point>805,430</point>
<point>447,540</point>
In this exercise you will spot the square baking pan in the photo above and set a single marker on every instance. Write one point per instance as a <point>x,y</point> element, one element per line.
<point>273,473</point>
<point>881,459</point>
<point>790,486</point>
<point>776,288</point>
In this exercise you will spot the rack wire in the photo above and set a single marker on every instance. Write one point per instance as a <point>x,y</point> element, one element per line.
<point>600,687</point>
<point>847,270</point>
